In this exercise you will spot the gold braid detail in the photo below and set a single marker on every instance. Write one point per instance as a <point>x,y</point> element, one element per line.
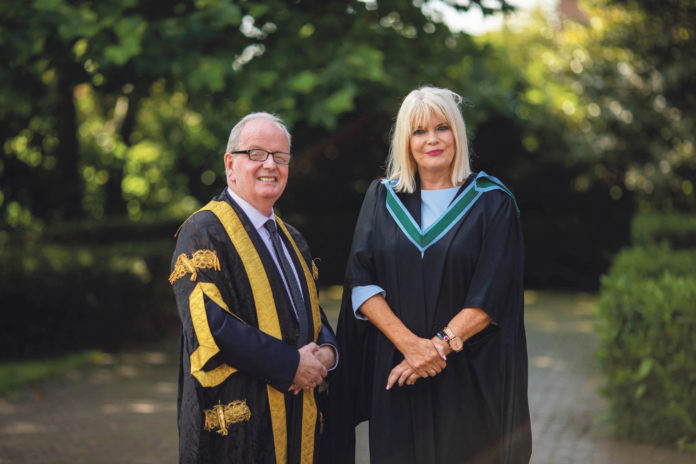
<point>200,259</point>
<point>221,416</point>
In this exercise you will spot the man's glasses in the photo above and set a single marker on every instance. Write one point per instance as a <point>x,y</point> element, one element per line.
<point>260,155</point>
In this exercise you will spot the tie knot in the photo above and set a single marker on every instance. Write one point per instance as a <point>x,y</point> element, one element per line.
<point>270,225</point>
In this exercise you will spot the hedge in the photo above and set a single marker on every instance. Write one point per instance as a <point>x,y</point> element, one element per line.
<point>653,261</point>
<point>677,229</point>
<point>647,329</point>
<point>60,298</point>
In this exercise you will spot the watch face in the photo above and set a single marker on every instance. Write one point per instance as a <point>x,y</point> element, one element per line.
<point>456,343</point>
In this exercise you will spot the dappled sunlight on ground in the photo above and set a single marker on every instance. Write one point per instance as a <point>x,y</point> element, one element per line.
<point>557,312</point>
<point>548,362</point>
<point>123,409</point>
<point>22,428</point>
<point>142,407</point>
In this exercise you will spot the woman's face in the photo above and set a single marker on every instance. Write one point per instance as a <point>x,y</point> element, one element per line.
<point>432,146</point>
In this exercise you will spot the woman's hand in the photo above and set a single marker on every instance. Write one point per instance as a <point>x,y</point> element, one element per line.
<point>420,353</point>
<point>402,373</point>
<point>424,356</point>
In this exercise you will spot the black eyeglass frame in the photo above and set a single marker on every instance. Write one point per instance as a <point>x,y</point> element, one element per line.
<point>268,153</point>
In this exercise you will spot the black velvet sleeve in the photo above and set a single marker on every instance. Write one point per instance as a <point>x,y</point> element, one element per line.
<point>241,346</point>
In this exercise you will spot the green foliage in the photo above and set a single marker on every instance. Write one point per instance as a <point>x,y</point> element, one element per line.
<point>648,336</point>
<point>146,93</point>
<point>618,81</point>
<point>677,229</point>
<point>652,261</point>
<point>19,374</point>
<point>63,298</point>
<point>647,328</point>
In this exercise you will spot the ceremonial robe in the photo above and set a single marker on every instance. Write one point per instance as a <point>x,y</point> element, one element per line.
<point>476,409</point>
<point>233,403</point>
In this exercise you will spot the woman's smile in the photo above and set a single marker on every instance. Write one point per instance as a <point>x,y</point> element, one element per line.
<point>432,148</point>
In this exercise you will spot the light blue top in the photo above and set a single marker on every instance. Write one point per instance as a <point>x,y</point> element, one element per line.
<point>433,204</point>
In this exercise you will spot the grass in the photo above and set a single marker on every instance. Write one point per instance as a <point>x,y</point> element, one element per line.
<point>19,374</point>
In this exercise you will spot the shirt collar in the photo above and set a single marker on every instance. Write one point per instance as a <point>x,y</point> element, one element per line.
<point>257,218</point>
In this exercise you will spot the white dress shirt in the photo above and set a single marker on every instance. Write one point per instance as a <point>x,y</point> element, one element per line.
<point>258,220</point>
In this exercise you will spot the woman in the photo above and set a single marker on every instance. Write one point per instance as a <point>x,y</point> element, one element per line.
<point>431,330</point>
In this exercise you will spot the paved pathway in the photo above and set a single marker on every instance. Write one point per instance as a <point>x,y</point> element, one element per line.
<point>124,410</point>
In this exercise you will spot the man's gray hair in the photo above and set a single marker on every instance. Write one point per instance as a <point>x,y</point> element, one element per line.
<point>233,141</point>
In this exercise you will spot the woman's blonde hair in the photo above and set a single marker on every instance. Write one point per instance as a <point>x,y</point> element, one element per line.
<point>415,111</point>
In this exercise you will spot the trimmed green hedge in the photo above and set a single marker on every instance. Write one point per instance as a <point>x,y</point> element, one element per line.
<point>677,229</point>
<point>64,298</point>
<point>653,261</point>
<point>647,328</point>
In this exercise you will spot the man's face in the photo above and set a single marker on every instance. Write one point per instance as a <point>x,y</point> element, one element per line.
<point>258,183</point>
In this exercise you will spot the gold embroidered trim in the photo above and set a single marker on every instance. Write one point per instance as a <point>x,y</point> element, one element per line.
<point>309,427</point>
<point>207,348</point>
<point>309,406</point>
<point>265,310</point>
<point>315,269</point>
<point>221,416</point>
<point>200,259</point>
<point>268,323</point>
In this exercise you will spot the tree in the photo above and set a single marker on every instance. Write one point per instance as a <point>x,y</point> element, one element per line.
<point>94,89</point>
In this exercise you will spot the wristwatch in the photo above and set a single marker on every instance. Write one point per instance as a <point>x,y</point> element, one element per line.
<point>452,340</point>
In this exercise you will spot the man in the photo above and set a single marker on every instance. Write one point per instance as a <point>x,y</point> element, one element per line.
<point>255,345</point>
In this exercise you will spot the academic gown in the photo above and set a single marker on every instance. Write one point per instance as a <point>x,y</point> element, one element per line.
<point>476,409</point>
<point>265,423</point>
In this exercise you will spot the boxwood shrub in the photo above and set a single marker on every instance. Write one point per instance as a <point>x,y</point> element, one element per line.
<point>647,329</point>
<point>653,261</point>
<point>677,229</point>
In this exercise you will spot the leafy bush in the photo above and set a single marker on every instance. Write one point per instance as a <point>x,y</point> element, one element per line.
<point>647,328</point>
<point>653,261</point>
<point>61,298</point>
<point>678,229</point>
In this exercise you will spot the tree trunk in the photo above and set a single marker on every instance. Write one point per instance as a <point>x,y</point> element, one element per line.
<point>68,191</point>
<point>114,204</point>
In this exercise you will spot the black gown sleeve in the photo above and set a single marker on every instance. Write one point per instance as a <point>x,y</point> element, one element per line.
<point>361,268</point>
<point>240,345</point>
<point>500,262</point>
<point>349,389</point>
<point>326,333</point>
